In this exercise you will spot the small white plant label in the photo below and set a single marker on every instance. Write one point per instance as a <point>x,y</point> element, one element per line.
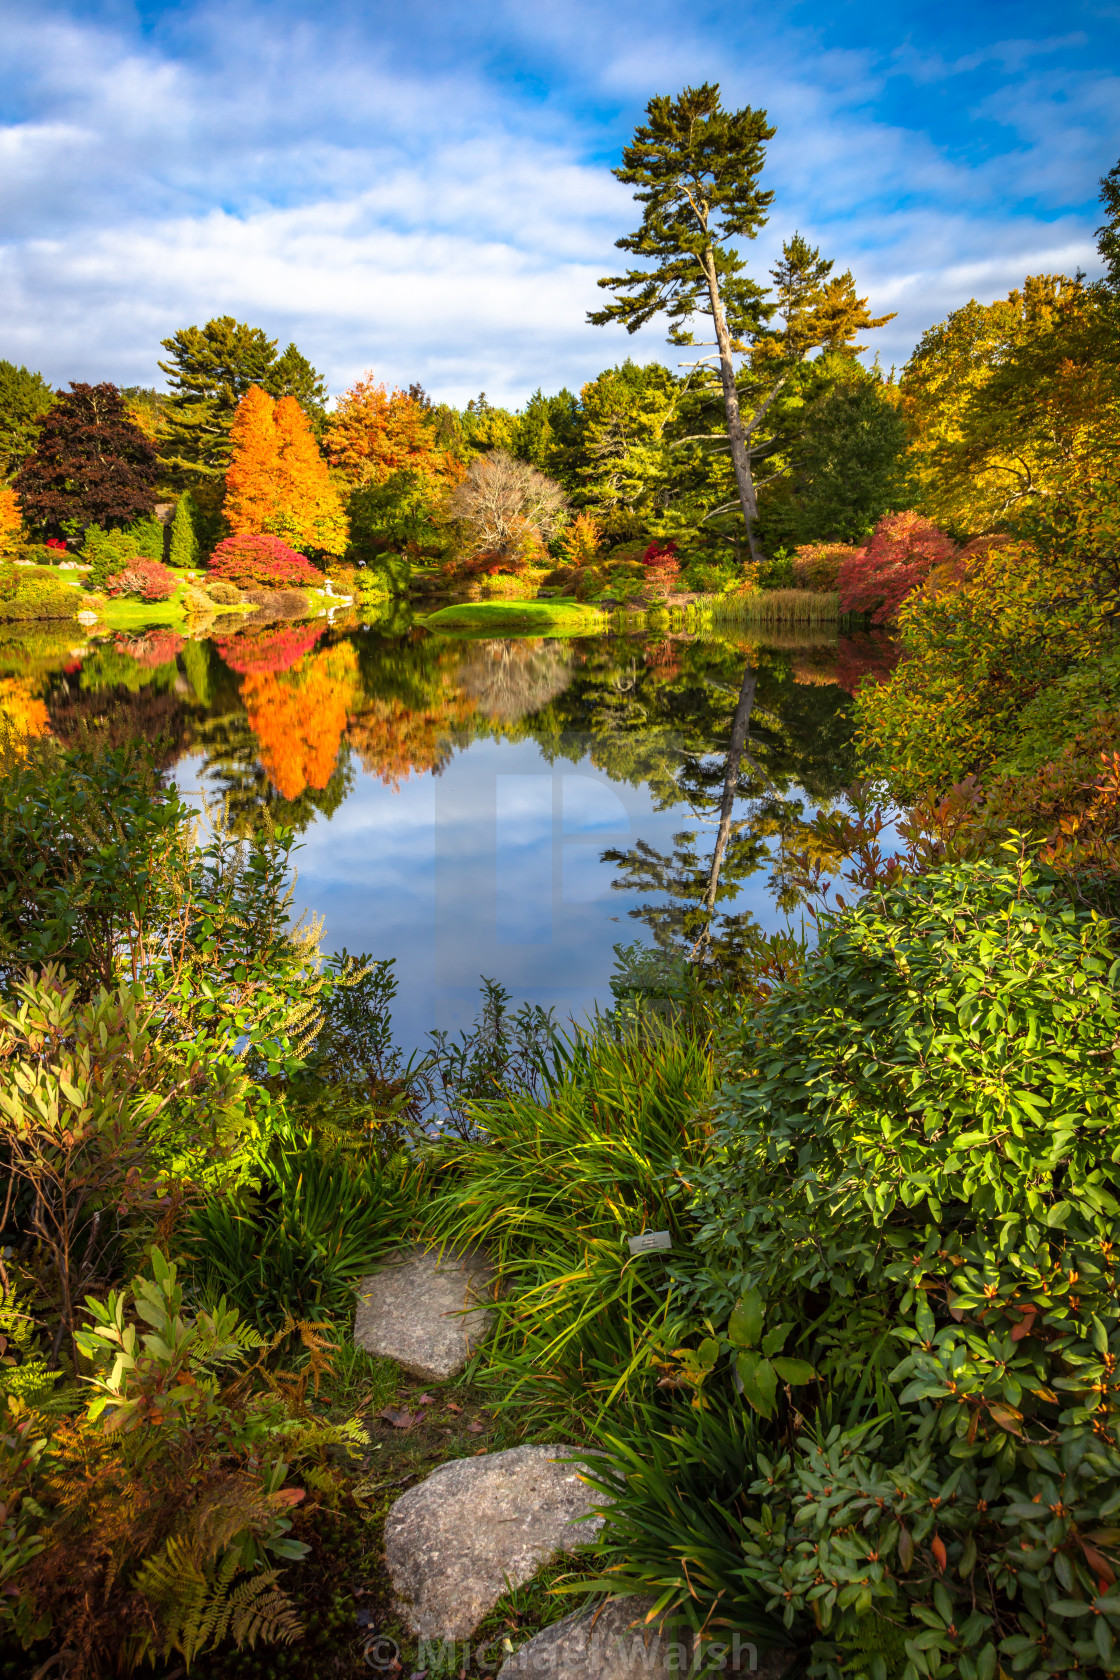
<point>650,1241</point>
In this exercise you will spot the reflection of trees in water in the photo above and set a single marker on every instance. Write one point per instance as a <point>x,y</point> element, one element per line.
<point>509,680</point>
<point>734,730</point>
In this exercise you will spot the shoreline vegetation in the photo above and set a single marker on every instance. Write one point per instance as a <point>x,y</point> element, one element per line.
<point>856,1399</point>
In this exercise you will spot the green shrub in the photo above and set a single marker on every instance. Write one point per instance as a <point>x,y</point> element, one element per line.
<point>33,592</point>
<point>913,1189</point>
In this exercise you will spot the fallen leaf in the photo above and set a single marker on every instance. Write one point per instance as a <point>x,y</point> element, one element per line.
<point>453,1408</point>
<point>399,1420</point>
<point>426,1400</point>
<point>475,1428</point>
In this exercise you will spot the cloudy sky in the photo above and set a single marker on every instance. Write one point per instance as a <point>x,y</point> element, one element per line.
<point>425,189</point>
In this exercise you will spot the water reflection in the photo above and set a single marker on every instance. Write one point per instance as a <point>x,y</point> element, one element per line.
<point>513,807</point>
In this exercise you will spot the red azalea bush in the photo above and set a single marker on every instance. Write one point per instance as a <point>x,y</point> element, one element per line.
<point>146,578</point>
<point>56,543</point>
<point>263,560</point>
<point>259,653</point>
<point>904,549</point>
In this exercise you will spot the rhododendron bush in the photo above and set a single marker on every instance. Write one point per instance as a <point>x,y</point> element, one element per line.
<point>902,552</point>
<point>262,560</point>
<point>146,579</point>
<point>257,652</point>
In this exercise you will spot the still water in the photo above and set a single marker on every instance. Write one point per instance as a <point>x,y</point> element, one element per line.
<point>512,808</point>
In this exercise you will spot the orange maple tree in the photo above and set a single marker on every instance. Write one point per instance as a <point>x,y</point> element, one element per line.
<point>277,480</point>
<point>299,716</point>
<point>375,432</point>
<point>11,518</point>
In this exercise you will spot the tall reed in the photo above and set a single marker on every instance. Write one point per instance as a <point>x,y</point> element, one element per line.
<point>769,606</point>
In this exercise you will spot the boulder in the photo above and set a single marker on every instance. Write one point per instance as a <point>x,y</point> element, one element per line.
<point>604,1642</point>
<point>477,1527</point>
<point>611,1641</point>
<point>425,1310</point>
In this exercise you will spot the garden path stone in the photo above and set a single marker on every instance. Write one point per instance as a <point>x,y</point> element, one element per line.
<point>411,1311</point>
<point>476,1527</point>
<point>610,1642</point>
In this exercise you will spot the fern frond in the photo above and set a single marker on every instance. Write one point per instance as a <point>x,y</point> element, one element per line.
<point>259,1609</point>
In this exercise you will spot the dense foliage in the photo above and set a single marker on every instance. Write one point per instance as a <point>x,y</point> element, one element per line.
<point>264,560</point>
<point>91,465</point>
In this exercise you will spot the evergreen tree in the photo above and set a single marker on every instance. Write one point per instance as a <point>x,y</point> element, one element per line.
<point>185,546</point>
<point>847,465</point>
<point>209,370</point>
<point>293,376</point>
<point>24,399</point>
<point>696,168</point>
<point>1108,236</point>
<point>91,466</point>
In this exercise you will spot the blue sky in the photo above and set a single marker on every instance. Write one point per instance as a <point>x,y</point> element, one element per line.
<point>425,189</point>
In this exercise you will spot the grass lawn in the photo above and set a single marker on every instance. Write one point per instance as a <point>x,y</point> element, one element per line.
<point>139,615</point>
<point>521,618</point>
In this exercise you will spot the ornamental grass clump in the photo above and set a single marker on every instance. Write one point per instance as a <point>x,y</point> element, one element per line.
<point>905,1277</point>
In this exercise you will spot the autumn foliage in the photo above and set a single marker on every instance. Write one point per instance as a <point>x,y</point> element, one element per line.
<point>299,716</point>
<point>146,579</point>
<point>262,561</point>
<point>904,549</point>
<point>375,432</point>
<point>278,480</point>
<point>271,651</point>
<point>10,518</point>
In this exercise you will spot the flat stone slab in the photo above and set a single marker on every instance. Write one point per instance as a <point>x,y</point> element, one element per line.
<point>477,1527</point>
<point>611,1641</point>
<point>412,1311</point>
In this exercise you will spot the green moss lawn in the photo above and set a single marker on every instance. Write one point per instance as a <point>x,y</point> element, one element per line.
<point>561,617</point>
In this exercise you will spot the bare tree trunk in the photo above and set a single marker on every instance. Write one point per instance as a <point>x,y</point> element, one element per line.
<point>740,455</point>
<point>739,729</point>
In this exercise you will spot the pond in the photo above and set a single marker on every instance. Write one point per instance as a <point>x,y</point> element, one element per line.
<point>512,808</point>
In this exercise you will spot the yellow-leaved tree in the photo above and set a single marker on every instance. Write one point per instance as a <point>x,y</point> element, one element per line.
<point>278,480</point>
<point>11,518</point>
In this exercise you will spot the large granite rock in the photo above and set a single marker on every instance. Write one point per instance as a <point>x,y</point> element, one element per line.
<point>426,1310</point>
<point>477,1527</point>
<point>612,1641</point>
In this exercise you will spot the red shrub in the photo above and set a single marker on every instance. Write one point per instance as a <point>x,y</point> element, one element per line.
<point>268,652</point>
<point>55,542</point>
<point>903,551</point>
<point>146,578</point>
<point>661,564</point>
<point>262,560</point>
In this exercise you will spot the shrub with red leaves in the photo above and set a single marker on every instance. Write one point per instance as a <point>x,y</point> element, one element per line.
<point>264,561</point>
<point>145,578</point>
<point>259,653</point>
<point>661,564</point>
<point>903,551</point>
<point>56,543</point>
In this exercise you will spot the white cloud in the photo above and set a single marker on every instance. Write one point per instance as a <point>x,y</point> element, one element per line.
<point>434,201</point>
